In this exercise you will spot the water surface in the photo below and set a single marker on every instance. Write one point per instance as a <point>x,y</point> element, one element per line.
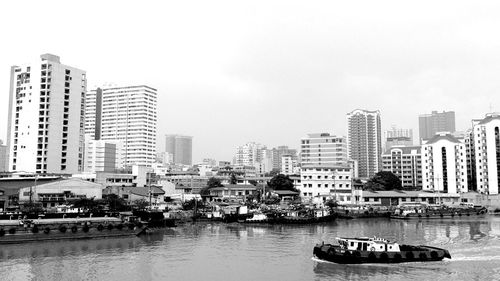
<point>216,251</point>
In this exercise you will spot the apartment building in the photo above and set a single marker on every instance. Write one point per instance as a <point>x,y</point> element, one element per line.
<point>46,117</point>
<point>406,163</point>
<point>127,117</point>
<point>364,141</point>
<point>323,149</point>
<point>486,136</point>
<point>444,164</point>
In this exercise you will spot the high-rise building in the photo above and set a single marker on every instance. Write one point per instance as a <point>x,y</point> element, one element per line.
<point>365,141</point>
<point>181,148</point>
<point>406,163</point>
<point>279,152</point>
<point>3,157</point>
<point>248,154</point>
<point>444,167</point>
<point>289,165</point>
<point>430,124</point>
<point>470,153</point>
<point>323,149</point>
<point>100,156</point>
<point>396,136</point>
<point>127,117</point>
<point>46,117</point>
<point>487,153</point>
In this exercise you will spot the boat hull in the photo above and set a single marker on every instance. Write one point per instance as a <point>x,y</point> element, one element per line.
<point>443,214</point>
<point>63,229</point>
<point>292,220</point>
<point>333,253</point>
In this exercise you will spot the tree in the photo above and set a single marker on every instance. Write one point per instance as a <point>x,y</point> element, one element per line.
<point>384,180</point>
<point>281,182</point>
<point>141,204</point>
<point>115,203</point>
<point>190,204</point>
<point>233,179</point>
<point>332,205</point>
<point>214,182</point>
<point>253,182</point>
<point>211,183</point>
<point>85,203</point>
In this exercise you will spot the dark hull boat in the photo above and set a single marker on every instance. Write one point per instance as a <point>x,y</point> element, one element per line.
<point>376,250</point>
<point>440,213</point>
<point>20,231</point>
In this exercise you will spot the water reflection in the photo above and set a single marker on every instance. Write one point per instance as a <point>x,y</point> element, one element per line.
<point>353,272</point>
<point>76,247</point>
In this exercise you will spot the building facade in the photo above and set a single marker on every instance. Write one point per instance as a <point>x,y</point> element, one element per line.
<point>444,164</point>
<point>127,117</point>
<point>406,163</point>
<point>100,156</point>
<point>325,183</point>
<point>323,149</point>
<point>248,154</point>
<point>364,141</point>
<point>487,153</point>
<point>398,137</point>
<point>470,151</point>
<point>430,124</point>
<point>278,153</point>
<point>46,117</point>
<point>57,193</point>
<point>289,165</point>
<point>4,163</point>
<point>181,148</point>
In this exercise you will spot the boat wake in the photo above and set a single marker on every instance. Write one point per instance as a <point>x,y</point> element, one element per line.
<point>365,264</point>
<point>476,258</point>
<point>320,260</point>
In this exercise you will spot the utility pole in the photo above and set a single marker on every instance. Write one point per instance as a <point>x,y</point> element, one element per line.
<point>334,173</point>
<point>150,193</point>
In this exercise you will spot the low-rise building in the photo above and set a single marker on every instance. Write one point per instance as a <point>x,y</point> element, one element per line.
<point>10,186</point>
<point>60,192</point>
<point>327,183</point>
<point>132,194</point>
<point>232,192</point>
<point>397,197</point>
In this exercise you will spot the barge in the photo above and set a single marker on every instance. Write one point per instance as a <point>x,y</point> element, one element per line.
<point>31,230</point>
<point>376,250</point>
<point>438,213</point>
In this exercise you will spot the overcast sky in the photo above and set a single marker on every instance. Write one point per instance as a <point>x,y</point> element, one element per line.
<point>230,72</point>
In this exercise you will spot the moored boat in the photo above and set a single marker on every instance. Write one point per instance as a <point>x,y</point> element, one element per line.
<point>442,212</point>
<point>291,217</point>
<point>29,230</point>
<point>376,250</point>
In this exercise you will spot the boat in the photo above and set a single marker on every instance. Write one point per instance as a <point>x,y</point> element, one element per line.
<point>376,250</point>
<point>29,230</point>
<point>439,212</point>
<point>291,217</point>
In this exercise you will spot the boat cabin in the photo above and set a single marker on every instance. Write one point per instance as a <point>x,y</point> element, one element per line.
<point>368,244</point>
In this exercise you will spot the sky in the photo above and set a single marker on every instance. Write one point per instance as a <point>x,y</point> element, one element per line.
<point>232,72</point>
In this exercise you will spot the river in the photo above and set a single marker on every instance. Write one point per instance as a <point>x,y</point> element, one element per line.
<point>217,251</point>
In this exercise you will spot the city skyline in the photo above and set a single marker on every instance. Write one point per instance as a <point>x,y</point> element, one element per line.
<point>298,67</point>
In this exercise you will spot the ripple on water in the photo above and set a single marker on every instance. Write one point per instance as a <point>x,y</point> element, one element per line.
<point>217,251</point>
